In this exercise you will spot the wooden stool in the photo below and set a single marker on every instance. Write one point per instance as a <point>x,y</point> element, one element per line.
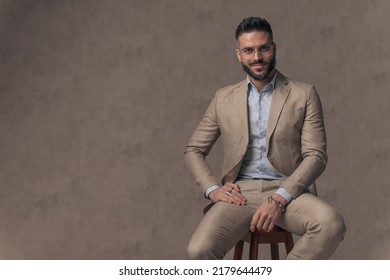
<point>277,235</point>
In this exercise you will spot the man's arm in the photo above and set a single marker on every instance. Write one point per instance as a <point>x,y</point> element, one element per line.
<point>313,148</point>
<point>199,146</point>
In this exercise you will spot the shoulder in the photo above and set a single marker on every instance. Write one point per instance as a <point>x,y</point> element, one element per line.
<point>300,85</point>
<point>297,88</point>
<point>231,89</point>
<point>294,84</point>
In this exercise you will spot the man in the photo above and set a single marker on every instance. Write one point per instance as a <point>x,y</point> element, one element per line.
<point>274,149</point>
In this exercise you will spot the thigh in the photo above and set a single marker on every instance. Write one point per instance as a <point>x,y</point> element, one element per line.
<point>223,226</point>
<point>304,211</point>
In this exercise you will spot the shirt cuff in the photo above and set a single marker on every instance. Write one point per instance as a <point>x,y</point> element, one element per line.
<point>283,193</point>
<point>209,190</point>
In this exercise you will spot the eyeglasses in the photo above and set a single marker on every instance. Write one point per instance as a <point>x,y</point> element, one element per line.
<point>263,50</point>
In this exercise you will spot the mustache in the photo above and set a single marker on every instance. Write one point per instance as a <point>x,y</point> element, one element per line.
<point>257,62</point>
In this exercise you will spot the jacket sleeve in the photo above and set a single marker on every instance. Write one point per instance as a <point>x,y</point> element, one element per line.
<point>203,138</point>
<point>313,148</point>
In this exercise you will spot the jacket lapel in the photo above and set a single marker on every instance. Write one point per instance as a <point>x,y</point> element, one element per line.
<point>279,97</point>
<point>241,101</point>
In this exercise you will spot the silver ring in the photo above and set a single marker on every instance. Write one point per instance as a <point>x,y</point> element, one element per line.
<point>229,192</point>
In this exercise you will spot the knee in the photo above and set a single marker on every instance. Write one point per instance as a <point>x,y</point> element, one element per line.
<point>196,252</point>
<point>333,226</point>
<point>202,251</point>
<point>338,226</point>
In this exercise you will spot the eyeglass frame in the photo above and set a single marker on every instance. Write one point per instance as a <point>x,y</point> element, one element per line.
<point>258,50</point>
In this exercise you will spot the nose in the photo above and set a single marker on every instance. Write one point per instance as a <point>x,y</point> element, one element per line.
<point>257,55</point>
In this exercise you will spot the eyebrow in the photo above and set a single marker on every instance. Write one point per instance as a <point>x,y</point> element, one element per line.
<point>255,47</point>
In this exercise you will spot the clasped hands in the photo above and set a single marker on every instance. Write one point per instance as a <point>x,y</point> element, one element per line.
<point>266,215</point>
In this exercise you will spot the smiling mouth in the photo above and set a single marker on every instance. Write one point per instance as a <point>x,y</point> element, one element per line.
<point>258,64</point>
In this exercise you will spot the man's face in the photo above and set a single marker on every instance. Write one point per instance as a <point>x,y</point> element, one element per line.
<point>257,54</point>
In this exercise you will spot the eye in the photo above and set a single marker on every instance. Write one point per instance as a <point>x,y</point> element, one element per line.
<point>265,48</point>
<point>247,51</point>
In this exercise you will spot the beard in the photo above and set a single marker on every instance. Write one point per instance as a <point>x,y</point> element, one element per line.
<point>265,73</point>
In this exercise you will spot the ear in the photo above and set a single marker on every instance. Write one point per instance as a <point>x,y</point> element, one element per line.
<point>238,54</point>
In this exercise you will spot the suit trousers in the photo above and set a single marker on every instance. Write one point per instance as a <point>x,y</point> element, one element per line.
<point>321,228</point>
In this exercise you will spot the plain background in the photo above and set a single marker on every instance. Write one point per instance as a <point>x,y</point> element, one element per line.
<point>99,98</point>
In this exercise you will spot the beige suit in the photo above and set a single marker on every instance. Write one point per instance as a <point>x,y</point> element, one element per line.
<point>296,138</point>
<point>296,148</point>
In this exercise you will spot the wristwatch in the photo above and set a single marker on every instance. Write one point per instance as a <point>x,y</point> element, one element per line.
<point>277,202</point>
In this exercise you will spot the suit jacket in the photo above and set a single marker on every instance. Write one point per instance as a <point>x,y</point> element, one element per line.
<point>296,139</point>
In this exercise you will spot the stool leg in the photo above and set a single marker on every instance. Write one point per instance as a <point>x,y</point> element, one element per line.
<point>238,250</point>
<point>254,246</point>
<point>274,251</point>
<point>289,244</point>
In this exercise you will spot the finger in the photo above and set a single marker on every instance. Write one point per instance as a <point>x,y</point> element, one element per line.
<point>232,190</point>
<point>238,194</point>
<point>266,225</point>
<point>254,222</point>
<point>237,199</point>
<point>253,226</point>
<point>220,194</point>
<point>227,189</point>
<point>233,198</point>
<point>261,222</point>
<point>227,195</point>
<point>237,187</point>
<point>233,186</point>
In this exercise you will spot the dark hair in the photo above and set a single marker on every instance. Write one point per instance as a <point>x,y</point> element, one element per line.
<point>253,24</point>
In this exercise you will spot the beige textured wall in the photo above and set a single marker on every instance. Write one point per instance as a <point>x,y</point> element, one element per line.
<point>98,99</point>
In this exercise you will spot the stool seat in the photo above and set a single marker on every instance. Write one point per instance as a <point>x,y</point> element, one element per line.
<point>277,235</point>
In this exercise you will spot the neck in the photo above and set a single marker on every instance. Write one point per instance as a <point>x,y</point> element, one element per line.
<point>261,84</point>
